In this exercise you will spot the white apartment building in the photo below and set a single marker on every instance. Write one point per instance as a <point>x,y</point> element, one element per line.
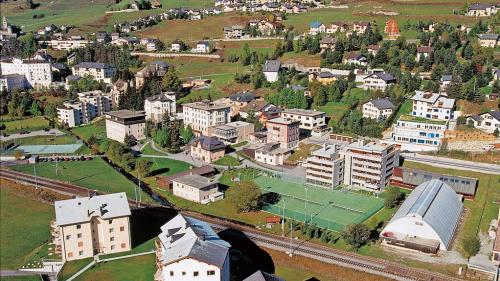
<point>197,188</point>
<point>481,10</point>
<point>272,154</point>
<point>378,81</point>
<point>157,106</point>
<point>487,122</point>
<point>203,116</point>
<point>379,109</point>
<point>369,166</point>
<point>432,106</point>
<point>188,249</point>
<point>87,226</point>
<point>202,47</point>
<point>66,45</point>
<point>309,119</point>
<point>125,122</point>
<point>416,133</point>
<point>325,167</point>
<point>89,105</point>
<point>38,73</point>
<point>100,71</point>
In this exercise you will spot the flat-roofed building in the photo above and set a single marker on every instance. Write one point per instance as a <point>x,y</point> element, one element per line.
<point>419,132</point>
<point>432,106</point>
<point>158,106</point>
<point>100,71</point>
<point>189,249</point>
<point>204,115</point>
<point>125,122</point>
<point>427,219</point>
<point>87,226</point>
<point>234,132</point>
<point>207,149</point>
<point>284,131</point>
<point>309,119</point>
<point>369,166</point>
<point>196,188</point>
<point>325,167</point>
<point>38,73</point>
<point>89,105</point>
<point>272,154</point>
<point>66,44</point>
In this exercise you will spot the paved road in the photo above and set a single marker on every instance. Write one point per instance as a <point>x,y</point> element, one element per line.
<point>51,132</point>
<point>175,55</point>
<point>6,272</point>
<point>452,163</point>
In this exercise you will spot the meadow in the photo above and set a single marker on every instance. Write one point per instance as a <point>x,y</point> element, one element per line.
<point>24,124</point>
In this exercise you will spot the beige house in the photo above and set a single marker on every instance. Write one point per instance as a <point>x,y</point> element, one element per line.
<point>94,225</point>
<point>196,188</point>
<point>125,122</point>
<point>379,109</point>
<point>283,131</point>
<point>234,132</point>
<point>157,106</point>
<point>204,115</point>
<point>100,71</point>
<point>488,40</point>
<point>272,154</point>
<point>208,149</point>
<point>309,119</point>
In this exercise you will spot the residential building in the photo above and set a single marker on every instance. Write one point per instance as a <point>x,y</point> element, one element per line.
<point>196,188</point>
<point>234,132</point>
<point>202,47</point>
<point>481,10</point>
<point>316,27</point>
<point>379,109</point>
<point>87,226</point>
<point>238,101</point>
<point>355,59</point>
<point>119,88</point>
<point>487,122</point>
<point>378,81</point>
<point>65,44</point>
<point>188,249</point>
<point>88,106</point>
<point>284,131</point>
<point>427,219</point>
<point>424,52</point>
<point>309,119</point>
<point>11,82</point>
<point>432,106</point>
<point>419,132</point>
<point>323,77</point>
<point>260,275</point>
<point>203,116</point>
<point>177,46</point>
<point>272,154</point>
<point>327,43</point>
<point>444,82</point>
<point>235,32</point>
<point>271,70</point>
<point>392,29</point>
<point>335,27</point>
<point>158,106</point>
<point>38,73</point>
<point>488,40</point>
<point>325,167</point>
<point>373,49</point>
<point>154,69</point>
<point>125,122</point>
<point>100,71</point>
<point>207,149</point>
<point>166,182</point>
<point>361,27</point>
<point>369,166</point>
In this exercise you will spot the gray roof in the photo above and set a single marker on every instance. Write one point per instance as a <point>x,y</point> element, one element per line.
<point>479,6</point>
<point>209,143</point>
<point>242,97</point>
<point>196,181</point>
<point>304,112</point>
<point>383,75</point>
<point>437,204</point>
<point>260,275</point>
<point>446,77</point>
<point>80,210</point>
<point>185,237</point>
<point>96,65</point>
<point>495,114</point>
<point>383,104</point>
<point>272,66</point>
<point>160,97</point>
<point>488,36</point>
<point>125,113</point>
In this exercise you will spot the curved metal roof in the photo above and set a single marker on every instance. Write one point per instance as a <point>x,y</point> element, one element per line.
<point>437,204</point>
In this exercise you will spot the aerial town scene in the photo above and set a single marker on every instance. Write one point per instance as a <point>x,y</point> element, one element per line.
<point>249,140</point>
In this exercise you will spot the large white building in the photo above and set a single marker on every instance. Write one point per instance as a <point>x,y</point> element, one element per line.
<point>432,106</point>
<point>89,105</point>
<point>309,119</point>
<point>157,106</point>
<point>100,71</point>
<point>38,73</point>
<point>417,133</point>
<point>487,122</point>
<point>66,44</point>
<point>189,249</point>
<point>271,70</point>
<point>325,167</point>
<point>203,116</point>
<point>88,226</point>
<point>369,166</point>
<point>196,188</point>
<point>125,122</point>
<point>379,109</point>
<point>378,81</point>
<point>427,219</point>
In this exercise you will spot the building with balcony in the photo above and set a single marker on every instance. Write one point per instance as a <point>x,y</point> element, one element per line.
<point>369,166</point>
<point>207,149</point>
<point>204,115</point>
<point>417,133</point>
<point>38,73</point>
<point>158,106</point>
<point>272,154</point>
<point>196,188</point>
<point>99,71</point>
<point>378,81</point>
<point>325,167</point>
<point>189,249</point>
<point>125,122</point>
<point>88,106</point>
<point>283,131</point>
<point>87,226</point>
<point>308,119</point>
<point>432,106</point>
<point>234,132</point>
<point>379,109</point>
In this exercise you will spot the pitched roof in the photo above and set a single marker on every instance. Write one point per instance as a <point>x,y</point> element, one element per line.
<point>479,6</point>
<point>242,97</point>
<point>446,77</point>
<point>328,40</point>
<point>315,24</point>
<point>387,77</point>
<point>495,114</point>
<point>488,36</point>
<point>160,97</point>
<point>96,65</point>
<point>384,103</point>
<point>260,275</point>
<point>255,105</point>
<point>425,49</point>
<point>196,181</point>
<point>272,66</point>
<point>209,143</point>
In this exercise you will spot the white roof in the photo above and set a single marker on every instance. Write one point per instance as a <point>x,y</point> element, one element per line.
<point>80,210</point>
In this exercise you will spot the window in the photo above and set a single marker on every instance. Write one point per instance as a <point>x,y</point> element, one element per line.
<point>123,245</point>
<point>68,237</point>
<point>70,254</point>
<point>195,273</point>
<point>183,273</point>
<point>171,273</point>
<point>110,221</point>
<point>111,239</point>
<point>80,253</point>
<point>79,235</point>
<point>78,226</point>
<point>111,230</point>
<point>112,247</point>
<point>210,272</point>
<point>80,244</point>
<point>122,228</point>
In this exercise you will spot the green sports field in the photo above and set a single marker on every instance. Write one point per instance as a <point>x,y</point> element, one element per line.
<point>332,209</point>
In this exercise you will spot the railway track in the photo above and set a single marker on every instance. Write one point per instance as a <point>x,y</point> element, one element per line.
<point>322,253</point>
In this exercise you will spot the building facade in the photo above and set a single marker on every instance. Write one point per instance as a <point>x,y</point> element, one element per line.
<point>88,106</point>
<point>432,106</point>
<point>309,119</point>
<point>203,116</point>
<point>158,106</point>
<point>487,122</point>
<point>283,131</point>
<point>272,154</point>
<point>207,149</point>
<point>378,81</point>
<point>100,71</point>
<point>419,131</point>
<point>38,73</point>
<point>379,109</point>
<point>196,188</point>
<point>325,167</point>
<point>125,122</point>
<point>234,132</point>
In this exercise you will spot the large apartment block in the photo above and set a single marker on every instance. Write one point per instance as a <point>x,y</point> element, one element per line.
<point>325,167</point>
<point>432,106</point>
<point>38,73</point>
<point>100,71</point>
<point>309,119</point>
<point>284,131</point>
<point>88,106</point>
<point>369,166</point>
<point>419,131</point>
<point>125,122</point>
<point>203,116</point>
<point>94,225</point>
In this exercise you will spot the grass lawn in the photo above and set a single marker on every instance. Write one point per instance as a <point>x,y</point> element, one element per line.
<point>19,236</point>
<point>165,166</point>
<point>72,267</point>
<point>20,278</point>
<point>334,110</point>
<point>139,268</point>
<point>236,145</point>
<point>45,140</point>
<point>27,124</point>
<point>404,109</point>
<point>148,150</point>
<point>94,174</point>
<point>96,128</point>
<point>228,160</point>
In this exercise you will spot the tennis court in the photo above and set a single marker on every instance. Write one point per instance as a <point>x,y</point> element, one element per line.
<point>332,209</point>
